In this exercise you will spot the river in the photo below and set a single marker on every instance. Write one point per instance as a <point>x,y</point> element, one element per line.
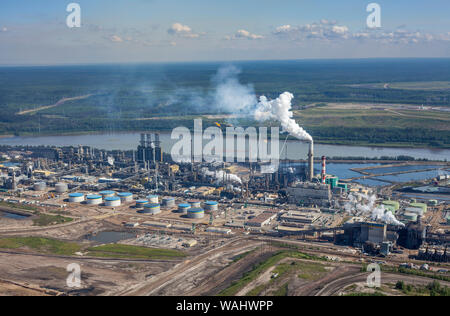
<point>295,149</point>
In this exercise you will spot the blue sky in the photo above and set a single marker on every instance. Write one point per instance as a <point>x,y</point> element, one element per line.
<point>34,31</point>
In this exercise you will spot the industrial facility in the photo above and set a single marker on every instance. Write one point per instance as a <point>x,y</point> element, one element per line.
<point>191,205</point>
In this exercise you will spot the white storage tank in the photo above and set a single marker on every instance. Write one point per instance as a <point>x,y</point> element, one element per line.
<point>151,208</point>
<point>195,204</point>
<point>61,187</point>
<point>153,199</point>
<point>39,186</point>
<point>168,202</point>
<point>106,194</point>
<point>183,208</point>
<point>125,197</point>
<point>112,201</point>
<point>211,206</point>
<point>196,213</point>
<point>76,197</point>
<point>140,203</point>
<point>94,200</point>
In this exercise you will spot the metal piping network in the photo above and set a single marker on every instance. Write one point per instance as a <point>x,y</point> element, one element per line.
<point>311,160</point>
<point>324,169</point>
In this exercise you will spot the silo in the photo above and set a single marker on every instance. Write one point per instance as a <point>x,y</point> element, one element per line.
<point>106,194</point>
<point>153,198</point>
<point>152,208</point>
<point>61,187</point>
<point>140,203</point>
<point>94,199</point>
<point>76,197</point>
<point>211,206</point>
<point>195,204</point>
<point>168,202</point>
<point>126,197</point>
<point>196,213</point>
<point>112,201</point>
<point>411,217</point>
<point>39,186</point>
<point>183,208</point>
<point>423,206</point>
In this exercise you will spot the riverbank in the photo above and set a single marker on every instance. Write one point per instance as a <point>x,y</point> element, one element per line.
<point>402,145</point>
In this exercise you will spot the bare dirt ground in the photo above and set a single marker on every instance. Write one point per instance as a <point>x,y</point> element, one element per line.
<point>60,102</point>
<point>7,223</point>
<point>337,286</point>
<point>186,276</point>
<point>99,277</point>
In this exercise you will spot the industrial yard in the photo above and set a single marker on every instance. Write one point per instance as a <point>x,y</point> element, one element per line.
<point>138,223</point>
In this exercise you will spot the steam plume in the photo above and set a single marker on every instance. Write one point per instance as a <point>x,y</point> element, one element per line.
<point>280,110</point>
<point>364,205</point>
<point>220,176</point>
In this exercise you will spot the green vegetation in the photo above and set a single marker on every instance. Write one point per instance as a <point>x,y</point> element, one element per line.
<point>242,256</point>
<point>432,289</point>
<point>161,97</point>
<point>263,266</point>
<point>425,274</point>
<point>376,293</point>
<point>133,252</point>
<point>42,245</point>
<point>57,247</point>
<point>419,85</point>
<point>47,220</point>
<point>18,206</point>
<point>282,291</point>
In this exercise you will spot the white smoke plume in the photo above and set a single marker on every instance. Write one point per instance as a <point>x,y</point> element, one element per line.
<point>364,205</point>
<point>227,94</point>
<point>220,176</point>
<point>280,109</point>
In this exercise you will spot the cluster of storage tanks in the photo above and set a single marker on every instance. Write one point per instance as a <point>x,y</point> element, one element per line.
<point>109,198</point>
<point>192,209</point>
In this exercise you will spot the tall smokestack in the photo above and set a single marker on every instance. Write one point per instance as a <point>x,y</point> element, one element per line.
<point>324,168</point>
<point>311,161</point>
<point>142,140</point>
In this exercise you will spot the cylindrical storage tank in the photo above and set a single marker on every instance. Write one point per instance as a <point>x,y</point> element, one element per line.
<point>423,206</point>
<point>153,198</point>
<point>195,204</point>
<point>106,194</point>
<point>125,197</point>
<point>152,208</point>
<point>61,187</point>
<point>39,186</point>
<point>411,217</point>
<point>168,202</point>
<point>94,199</point>
<point>183,208</point>
<point>211,206</point>
<point>112,201</point>
<point>76,197</point>
<point>141,203</point>
<point>196,213</point>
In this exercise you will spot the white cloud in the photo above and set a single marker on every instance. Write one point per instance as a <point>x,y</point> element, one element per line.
<point>182,31</point>
<point>244,34</point>
<point>324,30</point>
<point>283,29</point>
<point>116,39</point>
<point>4,29</point>
<point>329,30</point>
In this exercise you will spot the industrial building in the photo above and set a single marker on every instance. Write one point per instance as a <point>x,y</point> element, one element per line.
<point>310,193</point>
